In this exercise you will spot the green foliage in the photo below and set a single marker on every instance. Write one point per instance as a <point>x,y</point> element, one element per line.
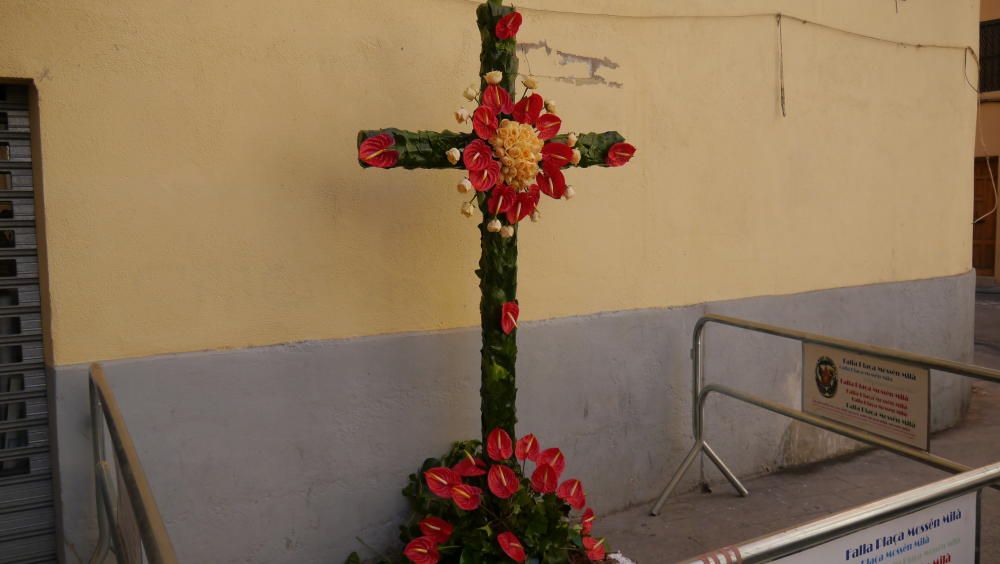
<point>593,147</point>
<point>421,149</point>
<point>541,522</point>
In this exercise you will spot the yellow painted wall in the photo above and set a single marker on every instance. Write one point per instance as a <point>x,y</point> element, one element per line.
<point>202,191</point>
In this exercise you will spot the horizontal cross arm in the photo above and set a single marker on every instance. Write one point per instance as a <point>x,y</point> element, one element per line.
<point>593,146</point>
<point>421,149</point>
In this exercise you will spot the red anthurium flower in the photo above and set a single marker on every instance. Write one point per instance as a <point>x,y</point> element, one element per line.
<point>499,447</point>
<point>503,481</point>
<point>587,521</point>
<point>554,458</point>
<point>508,25</point>
<point>422,550</point>
<point>594,548</point>
<point>556,154</point>
<point>527,448</point>
<point>620,154</point>
<point>551,181</point>
<point>496,98</point>
<point>440,480</point>
<point>571,491</point>
<point>484,121</point>
<point>470,466</point>
<point>512,546</point>
<point>528,109</point>
<point>509,313</point>
<point>501,199</point>
<point>524,203</point>
<point>544,479</point>
<point>438,530</point>
<point>466,497</point>
<point>477,155</point>
<point>483,180</point>
<point>548,127</point>
<point>375,151</point>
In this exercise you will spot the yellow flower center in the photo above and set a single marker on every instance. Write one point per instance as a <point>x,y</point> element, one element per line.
<point>519,149</point>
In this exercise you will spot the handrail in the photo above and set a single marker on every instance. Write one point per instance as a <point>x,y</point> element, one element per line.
<point>808,535</point>
<point>697,387</point>
<point>105,412</point>
<point>885,353</point>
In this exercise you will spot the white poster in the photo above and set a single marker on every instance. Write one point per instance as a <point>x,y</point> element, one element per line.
<point>946,533</point>
<point>889,399</point>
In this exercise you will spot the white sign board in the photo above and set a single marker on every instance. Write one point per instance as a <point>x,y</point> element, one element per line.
<point>946,533</point>
<point>886,398</point>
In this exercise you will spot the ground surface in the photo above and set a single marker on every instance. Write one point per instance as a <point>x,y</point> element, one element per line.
<point>693,523</point>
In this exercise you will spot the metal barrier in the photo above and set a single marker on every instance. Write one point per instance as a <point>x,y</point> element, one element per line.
<point>815,533</point>
<point>699,393</point>
<point>134,497</point>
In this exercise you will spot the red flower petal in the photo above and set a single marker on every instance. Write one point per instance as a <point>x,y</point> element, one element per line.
<point>477,155</point>
<point>571,491</point>
<point>544,479</point>
<point>498,444</point>
<point>374,151</point>
<point>496,98</point>
<point>524,204</point>
<point>483,180</point>
<point>594,548</point>
<point>509,313</point>
<point>527,448</point>
<point>551,181</point>
<point>528,109</point>
<point>508,25</point>
<point>556,154</point>
<point>619,154</point>
<point>422,550</point>
<point>512,546</point>
<point>470,467</point>
<point>484,122</point>
<point>440,481</point>
<point>438,530</point>
<point>548,127</point>
<point>554,458</point>
<point>587,521</point>
<point>466,497</point>
<point>501,199</point>
<point>503,482</point>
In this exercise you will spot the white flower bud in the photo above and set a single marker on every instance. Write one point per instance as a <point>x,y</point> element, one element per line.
<point>530,83</point>
<point>535,216</point>
<point>572,138</point>
<point>576,157</point>
<point>507,231</point>
<point>493,77</point>
<point>570,192</point>
<point>468,209</point>
<point>462,115</point>
<point>470,93</point>
<point>550,106</point>
<point>494,226</point>
<point>454,155</point>
<point>464,187</point>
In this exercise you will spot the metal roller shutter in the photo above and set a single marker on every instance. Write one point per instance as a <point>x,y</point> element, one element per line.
<point>27,514</point>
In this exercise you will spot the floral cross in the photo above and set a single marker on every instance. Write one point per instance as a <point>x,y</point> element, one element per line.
<point>514,154</point>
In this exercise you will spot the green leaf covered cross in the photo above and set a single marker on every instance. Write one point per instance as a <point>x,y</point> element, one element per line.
<point>514,155</point>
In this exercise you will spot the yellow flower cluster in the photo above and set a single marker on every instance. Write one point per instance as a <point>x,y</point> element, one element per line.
<point>519,149</point>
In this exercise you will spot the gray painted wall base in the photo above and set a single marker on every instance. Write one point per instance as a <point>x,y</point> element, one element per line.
<point>287,453</point>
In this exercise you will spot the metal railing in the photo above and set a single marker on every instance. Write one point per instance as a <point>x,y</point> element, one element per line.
<point>802,537</point>
<point>700,392</point>
<point>122,487</point>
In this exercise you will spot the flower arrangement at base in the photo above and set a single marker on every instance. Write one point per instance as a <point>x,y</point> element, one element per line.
<point>506,502</point>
